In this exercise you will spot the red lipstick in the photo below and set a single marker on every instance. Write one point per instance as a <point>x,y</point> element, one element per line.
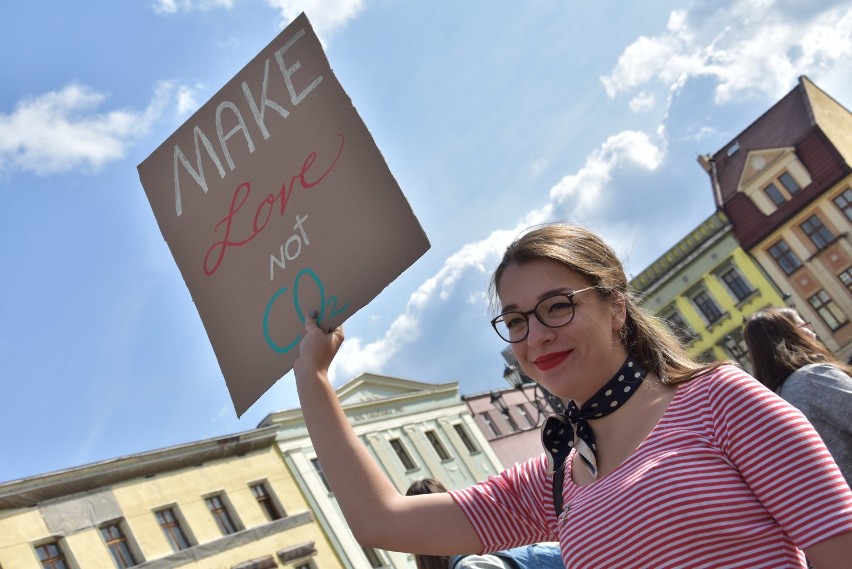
<point>550,361</point>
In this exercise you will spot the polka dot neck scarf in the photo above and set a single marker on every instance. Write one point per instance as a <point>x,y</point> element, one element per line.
<point>568,430</point>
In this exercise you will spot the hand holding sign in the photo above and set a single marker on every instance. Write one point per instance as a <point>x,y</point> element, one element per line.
<point>318,348</point>
<point>274,200</point>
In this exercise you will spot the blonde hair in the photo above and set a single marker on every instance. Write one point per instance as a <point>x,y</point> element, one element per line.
<point>644,335</point>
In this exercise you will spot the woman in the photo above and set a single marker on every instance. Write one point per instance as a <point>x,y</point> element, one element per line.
<point>788,358</point>
<point>666,463</point>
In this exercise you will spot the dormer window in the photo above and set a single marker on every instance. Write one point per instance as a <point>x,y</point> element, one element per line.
<point>774,194</point>
<point>789,183</point>
<point>771,177</point>
<point>780,196</point>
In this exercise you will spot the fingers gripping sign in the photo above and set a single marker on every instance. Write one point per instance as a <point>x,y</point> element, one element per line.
<point>317,348</point>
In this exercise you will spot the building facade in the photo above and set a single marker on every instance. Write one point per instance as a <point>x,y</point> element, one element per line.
<point>413,430</point>
<point>785,182</point>
<point>510,418</point>
<point>704,287</point>
<point>228,502</point>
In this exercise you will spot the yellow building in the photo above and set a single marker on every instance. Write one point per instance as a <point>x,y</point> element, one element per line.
<point>785,182</point>
<point>704,287</point>
<point>228,502</point>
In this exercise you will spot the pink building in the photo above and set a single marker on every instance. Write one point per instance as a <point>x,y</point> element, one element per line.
<point>511,417</point>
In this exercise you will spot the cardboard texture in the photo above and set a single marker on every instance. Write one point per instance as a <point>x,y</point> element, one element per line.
<point>274,200</point>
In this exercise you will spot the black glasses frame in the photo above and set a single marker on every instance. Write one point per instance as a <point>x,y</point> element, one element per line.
<point>569,295</point>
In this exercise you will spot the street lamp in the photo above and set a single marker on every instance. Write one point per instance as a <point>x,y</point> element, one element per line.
<point>513,377</point>
<point>497,401</point>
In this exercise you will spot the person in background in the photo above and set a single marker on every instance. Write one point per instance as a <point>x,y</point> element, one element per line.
<point>658,461</point>
<point>788,358</point>
<point>535,556</point>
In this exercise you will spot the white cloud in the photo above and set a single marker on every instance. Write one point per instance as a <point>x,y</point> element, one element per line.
<point>187,99</point>
<point>174,6</point>
<point>326,16</point>
<point>63,130</point>
<point>665,57</point>
<point>356,356</point>
<point>750,47</point>
<point>642,102</point>
<point>538,166</point>
<point>628,148</point>
<point>588,185</point>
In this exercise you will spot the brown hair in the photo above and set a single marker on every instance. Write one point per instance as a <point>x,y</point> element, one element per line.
<point>428,486</point>
<point>644,335</point>
<point>778,347</point>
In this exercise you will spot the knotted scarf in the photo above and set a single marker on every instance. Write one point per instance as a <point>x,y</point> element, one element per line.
<point>568,430</point>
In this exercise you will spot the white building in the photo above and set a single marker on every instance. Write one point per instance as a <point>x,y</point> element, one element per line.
<point>413,430</point>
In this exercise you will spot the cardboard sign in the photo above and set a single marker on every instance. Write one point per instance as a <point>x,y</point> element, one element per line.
<point>274,200</point>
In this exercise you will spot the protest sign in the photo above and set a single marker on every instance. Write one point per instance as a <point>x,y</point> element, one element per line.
<point>275,200</point>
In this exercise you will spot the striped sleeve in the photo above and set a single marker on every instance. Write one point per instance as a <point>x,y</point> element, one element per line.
<point>781,457</point>
<point>507,510</point>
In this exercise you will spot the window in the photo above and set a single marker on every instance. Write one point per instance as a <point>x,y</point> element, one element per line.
<point>732,149</point>
<point>373,557</point>
<point>486,418</point>
<point>735,346</point>
<point>221,513</point>
<point>786,259</point>
<point>707,306</point>
<point>789,183</point>
<point>522,410</point>
<point>844,202</point>
<point>827,310</point>
<point>680,328</point>
<point>51,556</point>
<point>511,421</point>
<point>736,284</point>
<point>436,443</point>
<point>819,234</point>
<point>402,454</point>
<point>172,528</point>
<point>267,503</point>
<point>846,278</point>
<point>465,438</point>
<point>267,562</point>
<point>119,547</point>
<point>775,194</point>
<point>321,474</point>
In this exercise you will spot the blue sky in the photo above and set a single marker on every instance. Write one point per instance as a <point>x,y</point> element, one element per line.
<point>492,115</point>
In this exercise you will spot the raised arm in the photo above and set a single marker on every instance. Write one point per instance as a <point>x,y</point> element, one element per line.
<point>833,553</point>
<point>377,513</point>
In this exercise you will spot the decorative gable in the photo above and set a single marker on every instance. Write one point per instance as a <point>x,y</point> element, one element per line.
<point>368,387</point>
<point>758,163</point>
<point>771,176</point>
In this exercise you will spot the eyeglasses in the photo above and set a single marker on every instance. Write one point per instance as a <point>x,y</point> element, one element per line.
<point>554,312</point>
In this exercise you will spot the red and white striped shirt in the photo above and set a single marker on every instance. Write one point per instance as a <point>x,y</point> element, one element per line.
<point>731,476</point>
